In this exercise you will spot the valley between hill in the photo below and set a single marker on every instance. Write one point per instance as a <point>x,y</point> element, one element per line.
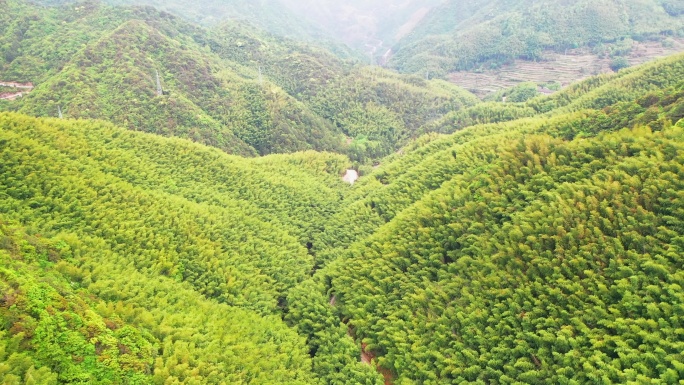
<point>206,234</point>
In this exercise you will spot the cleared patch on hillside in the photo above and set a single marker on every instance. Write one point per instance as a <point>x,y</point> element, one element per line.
<point>564,68</point>
<point>14,90</point>
<point>412,23</point>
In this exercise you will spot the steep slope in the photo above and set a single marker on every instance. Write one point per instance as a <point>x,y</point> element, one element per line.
<point>68,315</point>
<point>234,87</point>
<point>113,78</point>
<point>378,110</point>
<point>649,94</point>
<point>538,250</point>
<point>300,69</point>
<point>56,332</point>
<point>37,42</point>
<point>149,166</point>
<point>464,35</point>
<point>193,248</point>
<point>544,284</point>
<point>382,110</point>
<point>455,260</point>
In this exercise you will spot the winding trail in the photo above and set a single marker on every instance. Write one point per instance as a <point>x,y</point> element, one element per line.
<point>374,48</point>
<point>28,86</point>
<point>24,87</point>
<point>368,356</point>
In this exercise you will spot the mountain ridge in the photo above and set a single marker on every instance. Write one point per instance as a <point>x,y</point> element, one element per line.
<point>526,239</point>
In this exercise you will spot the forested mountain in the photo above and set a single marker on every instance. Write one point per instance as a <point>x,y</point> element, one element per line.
<point>233,87</point>
<point>195,248</point>
<point>596,93</point>
<point>270,15</point>
<point>113,77</point>
<point>465,34</point>
<point>541,250</point>
<point>154,237</point>
<point>442,36</point>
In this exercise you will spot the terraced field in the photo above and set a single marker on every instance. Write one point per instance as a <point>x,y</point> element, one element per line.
<point>563,68</point>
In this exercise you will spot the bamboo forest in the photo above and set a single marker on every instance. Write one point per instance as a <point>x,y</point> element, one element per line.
<point>375,192</point>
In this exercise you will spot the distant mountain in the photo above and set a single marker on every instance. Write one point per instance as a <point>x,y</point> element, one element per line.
<point>370,26</point>
<point>467,34</point>
<point>271,15</point>
<point>233,86</point>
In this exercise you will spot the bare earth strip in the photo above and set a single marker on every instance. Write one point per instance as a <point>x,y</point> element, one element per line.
<point>18,90</point>
<point>412,23</point>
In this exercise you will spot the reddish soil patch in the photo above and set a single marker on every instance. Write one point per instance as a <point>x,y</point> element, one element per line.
<point>12,96</point>
<point>21,90</point>
<point>367,357</point>
<point>16,85</point>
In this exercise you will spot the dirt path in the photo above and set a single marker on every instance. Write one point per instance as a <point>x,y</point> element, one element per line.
<point>24,87</point>
<point>12,96</point>
<point>367,358</point>
<point>28,86</point>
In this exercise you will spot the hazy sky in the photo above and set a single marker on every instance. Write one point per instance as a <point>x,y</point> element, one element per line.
<point>355,21</point>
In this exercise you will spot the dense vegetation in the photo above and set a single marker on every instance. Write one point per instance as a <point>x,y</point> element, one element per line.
<point>233,87</point>
<point>114,77</point>
<point>209,245</point>
<point>568,273</point>
<point>595,93</point>
<point>461,35</point>
<point>417,268</point>
<point>533,241</point>
<point>446,243</point>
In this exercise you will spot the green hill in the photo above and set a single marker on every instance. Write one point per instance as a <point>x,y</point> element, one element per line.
<point>537,241</point>
<point>596,93</point>
<point>114,76</point>
<point>539,250</point>
<point>521,251</point>
<point>233,87</point>
<point>570,281</point>
<point>269,15</point>
<point>209,244</point>
<point>467,34</point>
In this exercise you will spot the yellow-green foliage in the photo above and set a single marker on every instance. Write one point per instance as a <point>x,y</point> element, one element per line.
<point>657,83</point>
<point>383,110</point>
<point>542,250</point>
<point>540,242</point>
<point>558,261</point>
<point>195,247</point>
<point>54,332</point>
<point>231,87</point>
